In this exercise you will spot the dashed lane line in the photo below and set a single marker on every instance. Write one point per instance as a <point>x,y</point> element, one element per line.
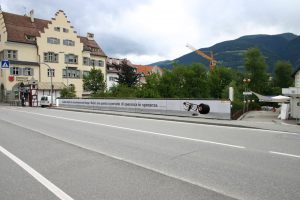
<point>284,154</point>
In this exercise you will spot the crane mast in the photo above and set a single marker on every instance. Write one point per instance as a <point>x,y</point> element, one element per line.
<point>212,61</point>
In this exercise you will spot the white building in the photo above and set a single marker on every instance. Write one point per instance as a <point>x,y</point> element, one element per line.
<point>294,93</point>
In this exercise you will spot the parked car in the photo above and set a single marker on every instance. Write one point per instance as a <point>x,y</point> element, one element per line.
<point>45,101</point>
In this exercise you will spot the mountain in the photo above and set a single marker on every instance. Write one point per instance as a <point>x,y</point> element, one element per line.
<point>284,46</point>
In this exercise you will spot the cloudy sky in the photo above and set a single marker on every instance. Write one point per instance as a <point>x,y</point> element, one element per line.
<point>147,31</point>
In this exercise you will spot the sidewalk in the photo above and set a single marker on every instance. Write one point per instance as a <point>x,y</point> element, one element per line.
<point>266,120</point>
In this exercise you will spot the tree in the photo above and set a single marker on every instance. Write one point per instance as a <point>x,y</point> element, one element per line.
<point>68,92</point>
<point>219,79</point>
<point>150,88</point>
<point>122,91</point>
<point>127,75</point>
<point>283,74</point>
<point>257,69</point>
<point>94,81</point>
<point>184,82</point>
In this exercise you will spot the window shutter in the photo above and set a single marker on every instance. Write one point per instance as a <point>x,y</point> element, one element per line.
<point>11,71</point>
<point>21,70</point>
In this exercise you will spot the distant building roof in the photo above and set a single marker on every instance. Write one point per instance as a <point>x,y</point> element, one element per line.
<point>146,70</point>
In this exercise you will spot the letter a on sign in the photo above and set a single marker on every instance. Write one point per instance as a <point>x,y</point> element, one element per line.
<point>4,64</point>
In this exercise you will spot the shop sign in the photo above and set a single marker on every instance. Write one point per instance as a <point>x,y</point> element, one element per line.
<point>21,79</point>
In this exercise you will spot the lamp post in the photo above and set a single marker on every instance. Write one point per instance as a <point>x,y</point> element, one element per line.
<point>246,93</point>
<point>51,74</point>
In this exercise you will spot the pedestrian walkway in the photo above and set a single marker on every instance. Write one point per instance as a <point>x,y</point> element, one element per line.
<point>266,120</point>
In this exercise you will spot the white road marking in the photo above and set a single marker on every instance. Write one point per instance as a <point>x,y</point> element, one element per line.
<point>197,124</point>
<point>138,130</point>
<point>284,154</point>
<point>50,186</point>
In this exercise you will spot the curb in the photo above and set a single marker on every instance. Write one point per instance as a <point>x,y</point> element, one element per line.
<point>157,118</point>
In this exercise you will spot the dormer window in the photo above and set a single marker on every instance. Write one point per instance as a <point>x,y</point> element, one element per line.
<point>30,38</point>
<point>57,29</point>
<point>95,49</point>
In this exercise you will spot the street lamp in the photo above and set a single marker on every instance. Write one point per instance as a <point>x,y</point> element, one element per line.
<point>51,74</point>
<point>245,93</point>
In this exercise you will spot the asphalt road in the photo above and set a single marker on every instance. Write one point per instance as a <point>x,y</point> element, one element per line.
<point>71,155</point>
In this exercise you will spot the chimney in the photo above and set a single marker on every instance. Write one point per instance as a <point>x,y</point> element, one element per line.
<point>31,14</point>
<point>90,36</point>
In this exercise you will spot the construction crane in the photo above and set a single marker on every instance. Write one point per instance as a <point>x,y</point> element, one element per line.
<point>212,61</point>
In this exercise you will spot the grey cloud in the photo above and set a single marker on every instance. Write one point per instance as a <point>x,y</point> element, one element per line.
<point>113,44</point>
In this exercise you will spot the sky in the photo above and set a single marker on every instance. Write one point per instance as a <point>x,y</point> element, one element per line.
<point>147,31</point>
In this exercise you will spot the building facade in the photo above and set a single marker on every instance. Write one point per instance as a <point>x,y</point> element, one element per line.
<point>294,93</point>
<point>113,68</point>
<point>44,51</point>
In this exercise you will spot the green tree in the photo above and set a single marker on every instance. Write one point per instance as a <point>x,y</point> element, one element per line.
<point>150,88</point>
<point>123,91</point>
<point>283,74</point>
<point>127,75</point>
<point>184,82</point>
<point>256,67</point>
<point>94,81</point>
<point>68,92</point>
<point>219,79</point>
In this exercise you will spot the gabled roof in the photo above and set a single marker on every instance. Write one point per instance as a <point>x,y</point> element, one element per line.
<point>295,72</point>
<point>18,26</point>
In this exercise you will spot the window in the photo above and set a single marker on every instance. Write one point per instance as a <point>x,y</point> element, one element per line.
<point>95,50</point>
<point>65,30</point>
<point>50,57</point>
<point>100,63</point>
<point>57,29</point>
<point>1,55</point>
<point>17,71</point>
<point>86,61</point>
<point>71,58</point>
<point>52,40</point>
<point>30,38</point>
<point>51,72</point>
<point>92,62</point>
<point>28,71</point>
<point>69,42</point>
<point>111,78</point>
<point>71,72</point>
<point>85,73</point>
<point>11,54</point>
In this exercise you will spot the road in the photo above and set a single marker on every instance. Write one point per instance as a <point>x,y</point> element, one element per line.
<point>55,154</point>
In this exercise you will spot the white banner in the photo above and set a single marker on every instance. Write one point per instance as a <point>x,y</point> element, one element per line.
<point>216,108</point>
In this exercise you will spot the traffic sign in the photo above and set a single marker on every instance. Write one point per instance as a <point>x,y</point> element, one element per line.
<point>4,64</point>
<point>247,93</point>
